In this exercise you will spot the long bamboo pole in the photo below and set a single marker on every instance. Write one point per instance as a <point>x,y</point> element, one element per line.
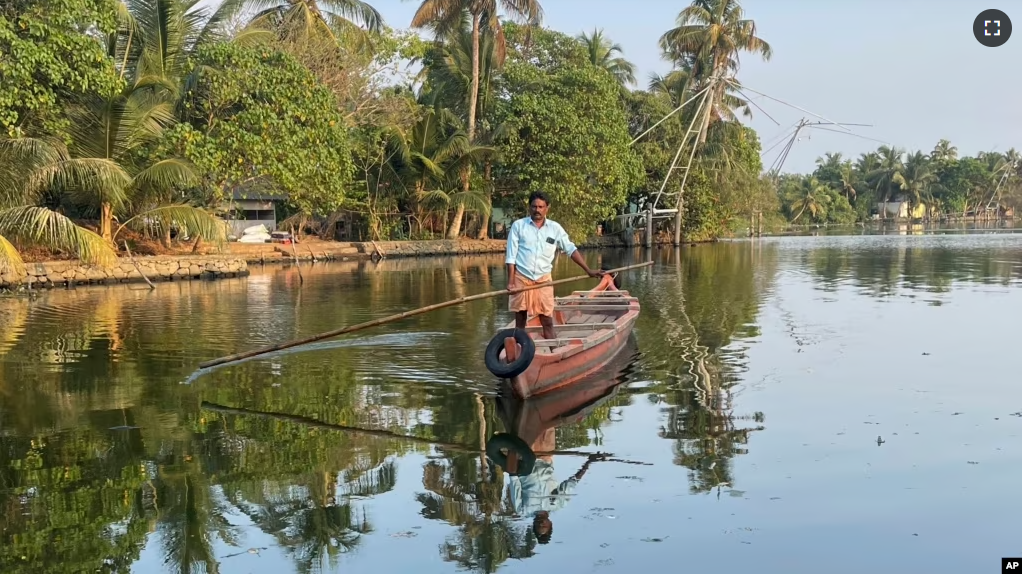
<point>390,318</point>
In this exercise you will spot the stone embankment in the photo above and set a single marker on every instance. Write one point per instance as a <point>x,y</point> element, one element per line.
<point>159,268</point>
<point>235,263</point>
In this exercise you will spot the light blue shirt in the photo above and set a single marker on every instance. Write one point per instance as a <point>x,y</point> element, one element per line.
<point>535,492</point>
<point>532,249</point>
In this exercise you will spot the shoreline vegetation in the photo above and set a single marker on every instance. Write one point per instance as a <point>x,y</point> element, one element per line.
<point>136,127</point>
<point>69,273</point>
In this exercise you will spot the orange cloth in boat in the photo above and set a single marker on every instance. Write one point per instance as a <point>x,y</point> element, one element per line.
<point>534,302</point>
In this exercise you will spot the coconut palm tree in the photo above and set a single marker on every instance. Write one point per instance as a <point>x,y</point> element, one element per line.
<point>606,54</point>
<point>448,15</point>
<point>811,194</point>
<point>847,180</point>
<point>98,173</point>
<point>679,83</point>
<point>155,39</point>
<point>916,178</point>
<point>944,151</point>
<point>882,177</point>
<point>712,33</point>
<point>449,75</point>
<point>427,158</point>
<point>309,19</point>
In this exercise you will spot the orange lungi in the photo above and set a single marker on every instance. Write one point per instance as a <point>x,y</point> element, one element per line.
<point>538,301</point>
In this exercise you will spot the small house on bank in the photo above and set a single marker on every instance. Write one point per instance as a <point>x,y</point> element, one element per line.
<point>246,208</point>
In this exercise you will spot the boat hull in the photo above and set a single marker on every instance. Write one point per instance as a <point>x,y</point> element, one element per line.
<point>575,356</point>
<point>549,374</point>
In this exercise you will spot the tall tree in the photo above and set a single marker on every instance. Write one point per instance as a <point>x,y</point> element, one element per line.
<point>712,33</point>
<point>568,132</point>
<point>447,15</point>
<point>606,54</point>
<point>916,178</point>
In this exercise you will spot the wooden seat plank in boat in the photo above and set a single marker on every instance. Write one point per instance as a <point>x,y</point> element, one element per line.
<point>591,327</point>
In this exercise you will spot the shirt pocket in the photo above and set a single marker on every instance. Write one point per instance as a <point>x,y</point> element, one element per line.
<point>548,248</point>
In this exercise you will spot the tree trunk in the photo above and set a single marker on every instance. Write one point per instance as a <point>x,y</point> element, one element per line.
<point>801,210</point>
<point>713,97</point>
<point>456,222</point>
<point>485,226</point>
<point>106,222</point>
<point>474,91</point>
<point>455,229</point>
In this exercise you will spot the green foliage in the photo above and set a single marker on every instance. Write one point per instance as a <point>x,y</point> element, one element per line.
<point>568,134</point>
<point>50,53</point>
<point>257,119</point>
<point>944,184</point>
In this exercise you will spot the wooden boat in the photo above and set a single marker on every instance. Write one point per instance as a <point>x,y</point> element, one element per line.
<point>531,423</point>
<point>529,418</point>
<point>591,326</point>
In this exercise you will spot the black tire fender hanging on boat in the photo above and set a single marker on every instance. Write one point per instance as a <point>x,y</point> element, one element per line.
<point>492,357</point>
<point>499,441</point>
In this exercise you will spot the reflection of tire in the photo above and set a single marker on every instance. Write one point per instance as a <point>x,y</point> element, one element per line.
<point>499,441</point>
<point>492,357</point>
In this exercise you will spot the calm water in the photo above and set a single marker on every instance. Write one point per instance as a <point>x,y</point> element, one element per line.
<point>827,404</point>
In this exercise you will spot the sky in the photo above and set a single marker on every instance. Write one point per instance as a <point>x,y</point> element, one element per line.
<point>912,69</point>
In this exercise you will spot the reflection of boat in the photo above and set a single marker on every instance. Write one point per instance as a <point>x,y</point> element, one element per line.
<point>533,420</point>
<point>526,451</point>
<point>592,327</point>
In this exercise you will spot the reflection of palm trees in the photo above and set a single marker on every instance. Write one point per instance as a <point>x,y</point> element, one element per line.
<point>700,419</point>
<point>189,516</point>
<point>459,495</point>
<point>486,548</point>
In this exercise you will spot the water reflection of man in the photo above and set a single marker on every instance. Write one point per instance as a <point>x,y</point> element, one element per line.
<point>539,493</point>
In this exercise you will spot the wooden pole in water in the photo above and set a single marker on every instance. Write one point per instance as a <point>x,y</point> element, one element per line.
<point>403,315</point>
<point>650,228</point>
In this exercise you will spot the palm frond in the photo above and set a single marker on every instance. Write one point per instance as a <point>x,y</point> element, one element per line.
<point>473,200</point>
<point>192,220</point>
<point>216,26</point>
<point>45,227</point>
<point>357,11</point>
<point>165,175</point>
<point>430,167</point>
<point>19,157</point>
<point>101,178</point>
<point>10,259</point>
<point>251,36</point>
<point>435,11</point>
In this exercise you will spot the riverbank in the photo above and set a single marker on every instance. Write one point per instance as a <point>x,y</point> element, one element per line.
<point>236,257</point>
<point>159,268</point>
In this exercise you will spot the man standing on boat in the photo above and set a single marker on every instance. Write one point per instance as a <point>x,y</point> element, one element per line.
<point>533,242</point>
